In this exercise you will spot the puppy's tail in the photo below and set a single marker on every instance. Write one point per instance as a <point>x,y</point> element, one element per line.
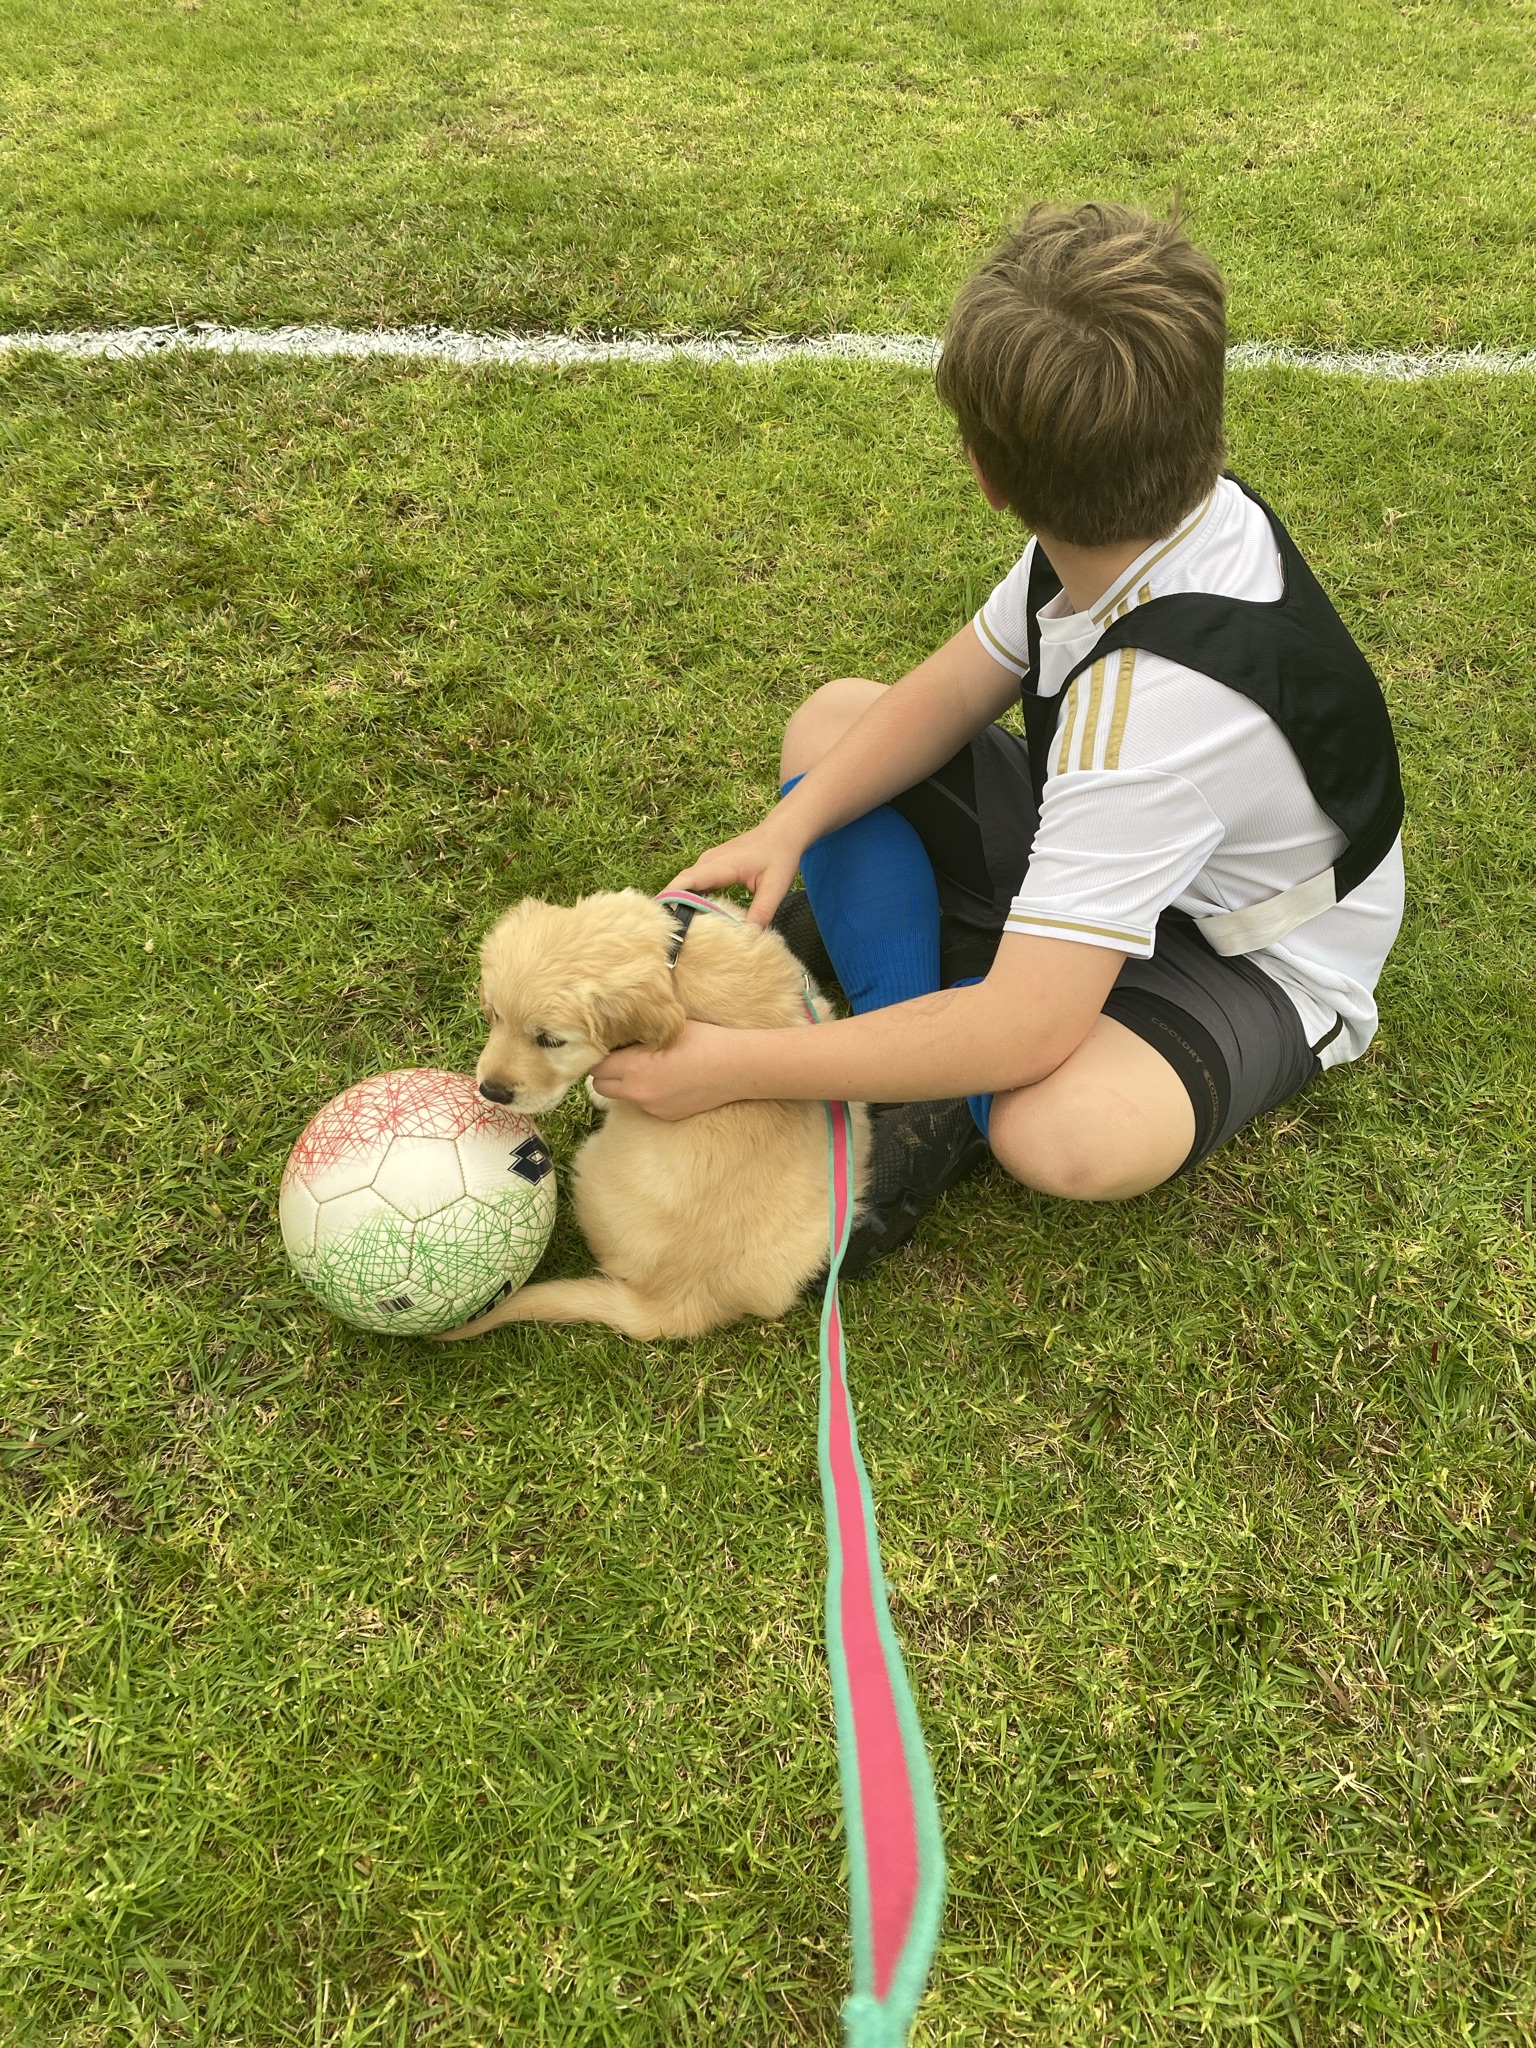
<point>598,1300</point>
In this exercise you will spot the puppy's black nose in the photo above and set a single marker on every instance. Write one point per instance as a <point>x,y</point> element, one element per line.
<point>494,1091</point>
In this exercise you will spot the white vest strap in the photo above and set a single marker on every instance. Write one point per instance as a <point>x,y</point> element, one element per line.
<point>1232,932</point>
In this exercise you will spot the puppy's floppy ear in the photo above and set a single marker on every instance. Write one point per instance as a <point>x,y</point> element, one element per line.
<point>647,1013</point>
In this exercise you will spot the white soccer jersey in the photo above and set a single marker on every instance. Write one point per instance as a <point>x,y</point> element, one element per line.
<point>1167,788</point>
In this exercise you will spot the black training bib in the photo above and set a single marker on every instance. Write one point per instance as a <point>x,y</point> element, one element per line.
<point>1293,657</point>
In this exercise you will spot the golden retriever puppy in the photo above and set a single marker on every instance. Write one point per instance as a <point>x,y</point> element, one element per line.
<point>692,1223</point>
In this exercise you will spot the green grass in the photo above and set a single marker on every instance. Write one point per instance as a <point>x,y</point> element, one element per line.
<point>355,1691</point>
<point>1361,169</point>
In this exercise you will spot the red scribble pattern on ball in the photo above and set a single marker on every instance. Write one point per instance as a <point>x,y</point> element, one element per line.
<point>417,1102</point>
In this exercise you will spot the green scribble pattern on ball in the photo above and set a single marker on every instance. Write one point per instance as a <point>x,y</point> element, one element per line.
<point>472,1238</point>
<point>410,1204</point>
<point>356,1276</point>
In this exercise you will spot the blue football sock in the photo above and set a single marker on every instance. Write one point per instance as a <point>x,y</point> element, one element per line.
<point>876,906</point>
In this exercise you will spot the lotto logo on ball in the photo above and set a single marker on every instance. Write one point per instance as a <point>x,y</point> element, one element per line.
<point>410,1204</point>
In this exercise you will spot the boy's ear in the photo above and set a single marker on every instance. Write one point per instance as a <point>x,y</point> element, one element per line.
<point>648,1014</point>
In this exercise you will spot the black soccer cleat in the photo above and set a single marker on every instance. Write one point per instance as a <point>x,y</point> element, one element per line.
<point>795,923</point>
<point>921,1149</point>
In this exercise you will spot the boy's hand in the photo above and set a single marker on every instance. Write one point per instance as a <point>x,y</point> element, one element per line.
<point>764,860</point>
<point>692,1075</point>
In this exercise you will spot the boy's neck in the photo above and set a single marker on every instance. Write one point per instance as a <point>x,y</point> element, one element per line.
<point>1086,573</point>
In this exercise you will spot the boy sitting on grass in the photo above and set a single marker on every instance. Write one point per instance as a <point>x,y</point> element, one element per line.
<point>1104,948</point>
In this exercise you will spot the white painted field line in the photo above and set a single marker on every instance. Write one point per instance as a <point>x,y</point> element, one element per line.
<point>1394,366</point>
<point>560,351</point>
<point>451,345</point>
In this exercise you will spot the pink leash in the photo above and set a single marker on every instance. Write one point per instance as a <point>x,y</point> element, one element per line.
<point>890,1814</point>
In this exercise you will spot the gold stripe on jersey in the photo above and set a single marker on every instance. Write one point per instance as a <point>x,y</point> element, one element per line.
<point>1122,710</point>
<point>1017,918</point>
<point>1103,615</point>
<point>1068,721</point>
<point>1082,718</point>
<point>1004,651</point>
<point>1090,739</point>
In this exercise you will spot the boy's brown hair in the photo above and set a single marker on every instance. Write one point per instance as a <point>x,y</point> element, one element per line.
<point>1084,363</point>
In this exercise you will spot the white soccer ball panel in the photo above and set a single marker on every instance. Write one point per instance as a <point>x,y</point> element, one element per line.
<point>298,1213</point>
<point>420,1175</point>
<point>362,1210</point>
<point>347,1173</point>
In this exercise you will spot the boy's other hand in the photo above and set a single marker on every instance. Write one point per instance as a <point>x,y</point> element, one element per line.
<point>764,860</point>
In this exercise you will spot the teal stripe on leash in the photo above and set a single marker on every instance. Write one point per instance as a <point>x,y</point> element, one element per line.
<point>890,1812</point>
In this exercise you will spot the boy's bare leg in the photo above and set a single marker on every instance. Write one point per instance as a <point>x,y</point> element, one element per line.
<point>1114,1119</point>
<point>821,721</point>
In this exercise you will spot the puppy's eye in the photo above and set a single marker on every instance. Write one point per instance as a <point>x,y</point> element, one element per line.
<point>547,1041</point>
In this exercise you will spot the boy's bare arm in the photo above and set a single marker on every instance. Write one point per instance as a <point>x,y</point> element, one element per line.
<point>1032,1012</point>
<point>914,728</point>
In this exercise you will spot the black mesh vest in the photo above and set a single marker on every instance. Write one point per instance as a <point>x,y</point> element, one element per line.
<point>1295,659</point>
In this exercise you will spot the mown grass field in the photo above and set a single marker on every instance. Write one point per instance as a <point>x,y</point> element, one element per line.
<point>1362,170</point>
<point>357,1692</point>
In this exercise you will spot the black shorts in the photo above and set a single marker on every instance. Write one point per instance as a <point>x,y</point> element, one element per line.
<point>1229,1032</point>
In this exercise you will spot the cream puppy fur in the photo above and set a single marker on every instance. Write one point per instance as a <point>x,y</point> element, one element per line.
<point>693,1223</point>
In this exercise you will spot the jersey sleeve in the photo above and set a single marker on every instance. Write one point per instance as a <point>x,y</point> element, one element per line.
<point>1002,624</point>
<point>1123,831</point>
<point>1114,848</point>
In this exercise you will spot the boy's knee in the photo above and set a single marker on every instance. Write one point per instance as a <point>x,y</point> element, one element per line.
<point>820,722</point>
<point>1061,1169</point>
<point>1060,1155</point>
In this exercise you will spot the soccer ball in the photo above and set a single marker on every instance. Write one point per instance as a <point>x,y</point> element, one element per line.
<point>411,1204</point>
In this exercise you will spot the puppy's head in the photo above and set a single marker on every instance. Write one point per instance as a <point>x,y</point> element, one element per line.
<point>561,988</point>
